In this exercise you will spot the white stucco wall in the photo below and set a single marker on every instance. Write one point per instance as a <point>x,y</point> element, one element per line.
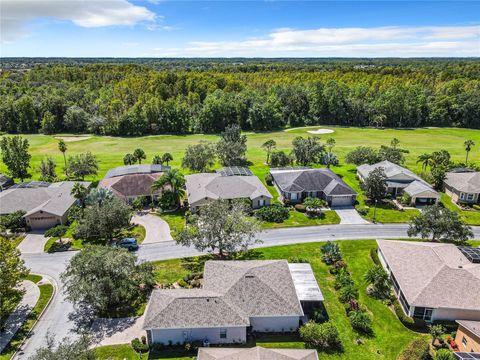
<point>275,323</point>
<point>234,335</point>
<point>456,314</point>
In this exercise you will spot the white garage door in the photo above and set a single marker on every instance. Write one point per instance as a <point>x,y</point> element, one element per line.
<point>342,201</point>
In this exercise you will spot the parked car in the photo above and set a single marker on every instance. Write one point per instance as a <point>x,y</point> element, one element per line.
<point>127,243</point>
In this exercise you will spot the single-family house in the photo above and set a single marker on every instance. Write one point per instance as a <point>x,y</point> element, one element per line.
<point>46,204</point>
<point>132,181</point>
<point>400,180</point>
<point>228,184</point>
<point>236,297</point>
<point>468,336</point>
<point>295,184</point>
<point>434,281</point>
<point>255,353</point>
<point>463,187</point>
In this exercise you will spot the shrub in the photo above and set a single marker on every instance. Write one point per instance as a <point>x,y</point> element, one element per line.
<point>331,253</point>
<point>418,349</point>
<point>343,279</point>
<point>297,259</point>
<point>407,321</point>
<point>444,354</point>
<point>374,256</point>
<point>320,336</point>
<point>405,199</point>
<point>348,293</point>
<point>362,210</point>
<point>273,213</point>
<point>361,321</point>
<point>138,346</point>
<point>300,208</point>
<point>269,179</point>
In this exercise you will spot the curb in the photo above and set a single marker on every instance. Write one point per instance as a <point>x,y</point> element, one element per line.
<point>52,282</point>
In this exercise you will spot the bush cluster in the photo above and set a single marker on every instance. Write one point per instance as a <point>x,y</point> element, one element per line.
<point>320,336</point>
<point>273,213</point>
<point>347,291</point>
<point>140,345</point>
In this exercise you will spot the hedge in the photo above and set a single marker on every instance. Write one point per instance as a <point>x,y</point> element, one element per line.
<point>374,256</point>
<point>413,324</point>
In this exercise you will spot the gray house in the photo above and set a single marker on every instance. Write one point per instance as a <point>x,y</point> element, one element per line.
<point>463,187</point>
<point>257,295</point>
<point>295,184</point>
<point>207,187</point>
<point>46,205</point>
<point>400,180</point>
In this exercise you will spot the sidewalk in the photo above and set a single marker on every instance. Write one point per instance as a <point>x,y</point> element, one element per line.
<point>19,315</point>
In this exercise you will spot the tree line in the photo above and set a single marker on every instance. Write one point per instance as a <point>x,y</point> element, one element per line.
<point>206,97</point>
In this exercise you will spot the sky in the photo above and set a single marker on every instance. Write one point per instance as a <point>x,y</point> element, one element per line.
<point>163,28</point>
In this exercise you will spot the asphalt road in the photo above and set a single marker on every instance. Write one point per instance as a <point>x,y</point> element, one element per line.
<point>56,320</point>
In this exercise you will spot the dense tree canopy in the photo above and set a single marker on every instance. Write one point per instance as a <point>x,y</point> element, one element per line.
<point>147,96</point>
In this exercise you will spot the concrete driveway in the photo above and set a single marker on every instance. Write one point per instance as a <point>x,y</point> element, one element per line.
<point>350,216</point>
<point>33,243</point>
<point>156,229</point>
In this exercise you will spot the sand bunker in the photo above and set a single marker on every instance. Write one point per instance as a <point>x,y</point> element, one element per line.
<point>320,131</point>
<point>73,138</point>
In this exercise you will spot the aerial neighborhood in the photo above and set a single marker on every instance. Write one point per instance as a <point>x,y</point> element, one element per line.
<point>239,180</point>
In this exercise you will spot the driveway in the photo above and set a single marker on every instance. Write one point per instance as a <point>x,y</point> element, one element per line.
<point>156,229</point>
<point>33,243</point>
<point>350,216</point>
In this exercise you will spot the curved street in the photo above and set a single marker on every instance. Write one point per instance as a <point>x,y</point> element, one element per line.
<point>59,322</point>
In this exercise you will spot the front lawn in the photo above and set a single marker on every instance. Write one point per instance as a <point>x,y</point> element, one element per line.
<point>297,218</point>
<point>470,217</point>
<point>46,292</point>
<point>136,231</point>
<point>175,220</point>
<point>390,336</point>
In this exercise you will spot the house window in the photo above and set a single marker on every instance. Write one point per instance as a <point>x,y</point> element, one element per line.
<point>464,341</point>
<point>423,313</point>
<point>223,333</point>
<point>469,197</point>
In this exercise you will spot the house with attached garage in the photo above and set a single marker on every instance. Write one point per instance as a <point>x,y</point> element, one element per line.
<point>237,297</point>
<point>130,182</point>
<point>46,204</point>
<point>401,180</point>
<point>228,184</point>
<point>463,187</point>
<point>255,353</point>
<point>434,281</point>
<point>296,184</point>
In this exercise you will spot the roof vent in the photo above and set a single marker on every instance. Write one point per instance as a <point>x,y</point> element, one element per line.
<point>249,276</point>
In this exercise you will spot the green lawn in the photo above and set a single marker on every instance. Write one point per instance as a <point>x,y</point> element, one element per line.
<point>390,336</point>
<point>470,217</point>
<point>175,219</point>
<point>300,219</point>
<point>110,152</point>
<point>46,292</point>
<point>136,231</point>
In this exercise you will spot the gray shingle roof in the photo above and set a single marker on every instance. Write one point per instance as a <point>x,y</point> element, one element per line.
<point>5,181</point>
<point>418,187</point>
<point>136,169</point>
<point>468,182</point>
<point>311,180</point>
<point>54,199</point>
<point>472,326</point>
<point>255,353</point>
<point>232,292</point>
<point>215,186</point>
<point>435,275</point>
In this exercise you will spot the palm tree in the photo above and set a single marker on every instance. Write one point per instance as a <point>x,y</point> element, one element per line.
<point>157,160</point>
<point>425,159</point>
<point>80,193</point>
<point>98,196</point>
<point>63,148</point>
<point>166,158</point>
<point>175,180</point>
<point>139,155</point>
<point>269,145</point>
<point>468,144</point>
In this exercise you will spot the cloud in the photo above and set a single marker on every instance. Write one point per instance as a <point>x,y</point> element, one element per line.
<point>15,14</point>
<point>394,41</point>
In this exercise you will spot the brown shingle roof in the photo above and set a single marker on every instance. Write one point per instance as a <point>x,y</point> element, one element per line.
<point>130,185</point>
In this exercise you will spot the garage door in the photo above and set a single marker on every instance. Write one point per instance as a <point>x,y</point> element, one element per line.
<point>342,201</point>
<point>43,222</point>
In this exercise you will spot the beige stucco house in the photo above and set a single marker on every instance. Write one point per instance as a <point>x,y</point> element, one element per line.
<point>401,180</point>
<point>204,188</point>
<point>46,204</point>
<point>463,187</point>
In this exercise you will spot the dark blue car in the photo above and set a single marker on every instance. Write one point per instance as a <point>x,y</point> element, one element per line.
<point>127,243</point>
